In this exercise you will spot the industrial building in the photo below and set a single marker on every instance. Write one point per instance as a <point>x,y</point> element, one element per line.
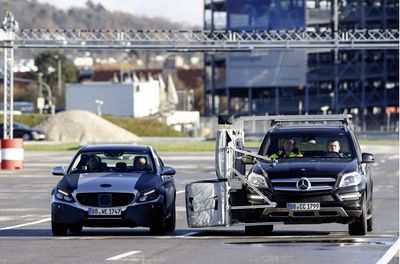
<point>364,83</point>
<point>119,99</point>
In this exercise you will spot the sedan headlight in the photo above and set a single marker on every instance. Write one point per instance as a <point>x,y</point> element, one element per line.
<point>149,195</point>
<point>258,180</point>
<point>64,195</point>
<point>350,179</point>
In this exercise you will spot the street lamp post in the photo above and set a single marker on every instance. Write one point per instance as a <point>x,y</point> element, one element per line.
<point>40,100</point>
<point>99,103</point>
<point>59,75</point>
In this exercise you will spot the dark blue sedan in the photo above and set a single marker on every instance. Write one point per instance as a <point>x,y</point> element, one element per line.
<point>114,186</point>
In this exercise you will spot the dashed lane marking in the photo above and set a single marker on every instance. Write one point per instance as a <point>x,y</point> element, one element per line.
<point>26,224</point>
<point>181,191</point>
<point>124,255</point>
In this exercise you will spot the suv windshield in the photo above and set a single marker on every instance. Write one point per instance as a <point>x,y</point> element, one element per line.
<point>112,161</point>
<point>307,145</point>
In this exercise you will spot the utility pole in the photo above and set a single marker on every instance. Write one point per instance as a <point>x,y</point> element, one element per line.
<point>335,18</point>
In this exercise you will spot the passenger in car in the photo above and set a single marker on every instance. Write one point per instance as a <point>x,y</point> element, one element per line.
<point>334,147</point>
<point>289,150</point>
<point>140,163</point>
<point>121,166</point>
<point>93,163</point>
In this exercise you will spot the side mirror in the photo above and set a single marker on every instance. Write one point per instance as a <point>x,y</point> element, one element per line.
<point>367,158</point>
<point>58,171</point>
<point>168,171</point>
<point>248,160</point>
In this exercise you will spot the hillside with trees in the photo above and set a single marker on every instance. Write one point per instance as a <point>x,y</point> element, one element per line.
<point>33,14</point>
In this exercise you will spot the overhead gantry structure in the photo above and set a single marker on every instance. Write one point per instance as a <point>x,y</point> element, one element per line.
<point>12,37</point>
<point>180,40</point>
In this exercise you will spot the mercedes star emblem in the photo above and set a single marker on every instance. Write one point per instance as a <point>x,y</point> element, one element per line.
<point>303,184</point>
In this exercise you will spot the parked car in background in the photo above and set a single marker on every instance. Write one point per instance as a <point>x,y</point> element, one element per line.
<point>114,186</point>
<point>25,132</point>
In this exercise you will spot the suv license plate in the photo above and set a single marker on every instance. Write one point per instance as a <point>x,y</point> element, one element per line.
<point>105,211</point>
<point>303,206</point>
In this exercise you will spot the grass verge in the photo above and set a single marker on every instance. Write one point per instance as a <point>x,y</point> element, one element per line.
<point>175,146</point>
<point>144,127</point>
<point>159,146</point>
<point>51,147</point>
<point>139,126</point>
<point>28,119</point>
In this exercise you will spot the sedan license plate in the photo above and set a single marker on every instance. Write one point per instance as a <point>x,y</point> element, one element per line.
<point>303,206</point>
<point>105,211</point>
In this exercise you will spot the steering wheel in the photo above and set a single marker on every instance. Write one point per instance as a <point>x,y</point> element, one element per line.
<point>333,154</point>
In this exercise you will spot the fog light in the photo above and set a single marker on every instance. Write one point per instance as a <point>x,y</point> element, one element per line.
<point>350,196</point>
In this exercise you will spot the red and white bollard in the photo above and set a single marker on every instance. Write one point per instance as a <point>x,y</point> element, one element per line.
<point>12,154</point>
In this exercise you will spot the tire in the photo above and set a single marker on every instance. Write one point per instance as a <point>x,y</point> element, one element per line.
<point>159,228</point>
<point>170,222</point>
<point>264,230</point>
<point>76,229</point>
<point>370,220</point>
<point>26,137</point>
<point>359,228</point>
<point>59,229</point>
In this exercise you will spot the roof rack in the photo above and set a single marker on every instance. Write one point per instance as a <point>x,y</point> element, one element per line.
<point>280,119</point>
<point>343,118</point>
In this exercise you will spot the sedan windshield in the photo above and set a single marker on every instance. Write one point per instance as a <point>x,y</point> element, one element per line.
<point>112,161</point>
<point>307,145</point>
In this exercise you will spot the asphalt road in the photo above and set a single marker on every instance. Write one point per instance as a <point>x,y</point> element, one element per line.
<point>25,234</point>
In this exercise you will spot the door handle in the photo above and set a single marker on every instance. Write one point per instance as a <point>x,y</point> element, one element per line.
<point>190,204</point>
<point>215,202</point>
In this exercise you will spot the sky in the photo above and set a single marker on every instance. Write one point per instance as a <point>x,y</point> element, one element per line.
<point>186,11</point>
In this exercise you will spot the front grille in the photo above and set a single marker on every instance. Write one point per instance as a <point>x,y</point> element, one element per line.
<point>105,199</point>
<point>313,184</point>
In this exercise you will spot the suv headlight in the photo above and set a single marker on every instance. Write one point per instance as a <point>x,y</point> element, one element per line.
<point>350,179</point>
<point>149,195</point>
<point>64,195</point>
<point>258,180</point>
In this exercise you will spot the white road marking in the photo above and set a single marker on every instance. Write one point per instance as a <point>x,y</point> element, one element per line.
<point>22,209</point>
<point>188,234</point>
<point>26,224</point>
<point>390,253</point>
<point>181,191</point>
<point>118,257</point>
<point>393,157</point>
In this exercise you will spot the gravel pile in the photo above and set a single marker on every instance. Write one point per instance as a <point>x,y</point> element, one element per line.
<point>84,127</point>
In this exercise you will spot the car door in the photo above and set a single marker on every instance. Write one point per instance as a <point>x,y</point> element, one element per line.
<point>18,131</point>
<point>168,182</point>
<point>365,168</point>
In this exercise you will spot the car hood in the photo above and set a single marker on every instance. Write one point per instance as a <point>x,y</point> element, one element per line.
<point>108,182</point>
<point>289,168</point>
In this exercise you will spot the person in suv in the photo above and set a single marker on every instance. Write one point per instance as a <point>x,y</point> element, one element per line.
<point>289,150</point>
<point>315,187</point>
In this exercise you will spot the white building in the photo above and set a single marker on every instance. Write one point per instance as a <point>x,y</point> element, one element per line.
<point>137,99</point>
